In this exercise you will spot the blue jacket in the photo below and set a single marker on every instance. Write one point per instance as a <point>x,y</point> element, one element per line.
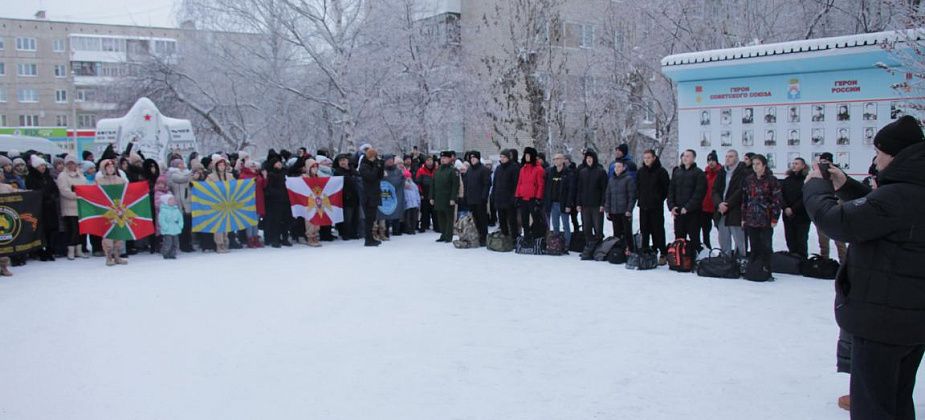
<point>630,167</point>
<point>169,220</point>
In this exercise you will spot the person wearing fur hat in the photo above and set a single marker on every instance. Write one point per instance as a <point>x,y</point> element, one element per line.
<point>169,225</point>
<point>67,180</point>
<point>879,296</point>
<point>220,173</point>
<point>109,175</point>
<point>371,172</point>
<point>40,179</point>
<point>477,186</point>
<point>251,170</point>
<point>531,185</point>
<point>312,231</point>
<point>443,195</point>
<point>590,192</point>
<point>504,186</point>
<point>276,197</point>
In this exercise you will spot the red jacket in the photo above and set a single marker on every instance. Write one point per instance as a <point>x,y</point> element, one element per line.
<point>708,206</point>
<point>532,183</point>
<point>260,182</point>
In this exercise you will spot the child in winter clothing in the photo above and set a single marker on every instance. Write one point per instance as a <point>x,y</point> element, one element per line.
<point>312,231</point>
<point>169,225</point>
<point>412,204</point>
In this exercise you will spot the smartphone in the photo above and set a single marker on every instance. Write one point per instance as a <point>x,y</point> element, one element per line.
<point>824,168</point>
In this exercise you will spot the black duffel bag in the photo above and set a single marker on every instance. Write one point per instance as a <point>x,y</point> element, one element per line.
<point>644,259</point>
<point>819,267</point>
<point>786,262</point>
<point>720,265</point>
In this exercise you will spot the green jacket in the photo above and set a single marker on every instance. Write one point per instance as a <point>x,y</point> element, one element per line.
<point>445,188</point>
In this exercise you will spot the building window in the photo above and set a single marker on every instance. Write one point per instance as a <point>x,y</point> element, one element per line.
<point>27,70</point>
<point>3,121</point>
<point>85,43</point>
<point>165,47</point>
<point>85,68</point>
<point>61,96</point>
<point>578,35</point>
<point>58,45</point>
<point>25,44</point>
<point>85,95</point>
<point>86,121</point>
<point>28,120</point>
<point>61,120</point>
<point>110,70</point>
<point>60,71</point>
<point>2,95</point>
<point>112,44</point>
<point>27,96</point>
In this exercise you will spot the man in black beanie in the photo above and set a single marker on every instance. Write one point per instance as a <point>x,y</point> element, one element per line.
<point>880,290</point>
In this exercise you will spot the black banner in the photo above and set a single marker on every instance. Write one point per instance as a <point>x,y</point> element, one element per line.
<point>19,222</point>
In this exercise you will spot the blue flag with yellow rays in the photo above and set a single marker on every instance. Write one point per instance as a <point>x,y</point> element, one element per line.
<point>224,206</point>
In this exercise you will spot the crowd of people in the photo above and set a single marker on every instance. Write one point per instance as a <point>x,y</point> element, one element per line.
<point>880,297</point>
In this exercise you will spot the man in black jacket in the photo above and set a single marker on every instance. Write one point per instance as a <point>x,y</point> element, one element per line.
<point>880,290</point>
<point>796,221</point>
<point>350,196</point>
<point>685,198</point>
<point>371,172</point>
<point>556,199</point>
<point>590,188</point>
<point>727,197</point>
<point>652,190</point>
<point>476,186</point>
<point>505,185</point>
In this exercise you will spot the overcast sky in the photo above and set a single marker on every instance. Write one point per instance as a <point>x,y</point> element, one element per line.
<point>124,12</point>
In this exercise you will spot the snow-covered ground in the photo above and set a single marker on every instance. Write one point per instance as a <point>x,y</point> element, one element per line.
<point>410,330</point>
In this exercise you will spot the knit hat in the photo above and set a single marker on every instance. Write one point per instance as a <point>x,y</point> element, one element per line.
<point>311,162</point>
<point>5,161</point>
<point>70,159</point>
<point>897,135</point>
<point>18,161</point>
<point>37,161</point>
<point>86,165</point>
<point>827,156</point>
<point>712,157</point>
<point>324,160</point>
<point>508,154</point>
<point>165,199</point>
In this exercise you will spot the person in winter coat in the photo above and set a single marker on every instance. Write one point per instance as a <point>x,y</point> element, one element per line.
<point>560,183</point>
<point>312,231</point>
<point>5,262</point>
<point>390,224</point>
<point>221,172</point>
<point>350,197</point>
<point>39,179</point>
<point>9,176</point>
<point>371,172</point>
<point>169,225</point>
<point>879,298</point>
<point>531,185</point>
<point>590,191</point>
<point>619,202</point>
<point>424,178</point>
<point>652,190</point>
<point>67,180</point>
<point>109,175</point>
<point>443,195</point>
<point>761,209</point>
<point>412,205</point>
<point>477,186</point>
<point>622,154</point>
<point>706,215</point>
<point>796,220</point>
<point>727,196</point>
<point>685,198</point>
<point>250,169</point>
<point>276,198</point>
<point>502,193</point>
<point>179,179</point>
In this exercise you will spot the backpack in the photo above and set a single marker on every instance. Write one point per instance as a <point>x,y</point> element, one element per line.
<point>756,271</point>
<point>529,246</point>
<point>467,232</point>
<point>681,256</point>
<point>819,267</point>
<point>500,242</point>
<point>555,244</point>
<point>721,265</point>
<point>604,248</point>
<point>617,255</point>
<point>577,244</point>
<point>786,262</point>
<point>645,259</point>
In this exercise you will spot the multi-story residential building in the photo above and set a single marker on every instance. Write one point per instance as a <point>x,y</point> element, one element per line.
<point>52,73</point>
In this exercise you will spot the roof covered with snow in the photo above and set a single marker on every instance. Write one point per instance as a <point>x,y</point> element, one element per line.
<point>792,47</point>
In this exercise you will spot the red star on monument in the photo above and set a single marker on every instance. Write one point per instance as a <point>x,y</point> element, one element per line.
<point>147,117</point>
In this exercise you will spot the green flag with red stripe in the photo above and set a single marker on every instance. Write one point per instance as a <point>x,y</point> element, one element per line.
<point>118,212</point>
